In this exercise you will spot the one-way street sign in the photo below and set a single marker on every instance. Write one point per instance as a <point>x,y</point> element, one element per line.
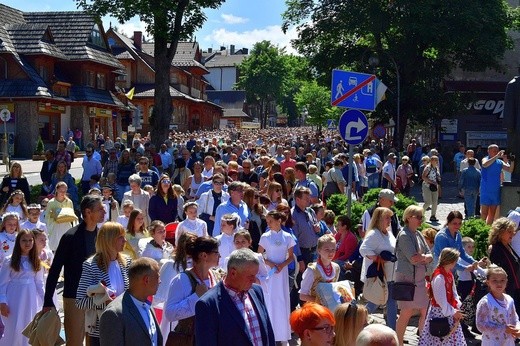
<point>353,126</point>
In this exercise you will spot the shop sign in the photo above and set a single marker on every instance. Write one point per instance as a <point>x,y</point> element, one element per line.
<point>489,107</point>
<point>99,112</point>
<point>50,108</point>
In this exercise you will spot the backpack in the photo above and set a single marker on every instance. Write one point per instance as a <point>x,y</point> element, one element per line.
<point>371,164</point>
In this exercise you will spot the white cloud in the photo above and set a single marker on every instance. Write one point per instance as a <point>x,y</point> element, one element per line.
<point>127,28</point>
<point>247,39</point>
<point>231,19</point>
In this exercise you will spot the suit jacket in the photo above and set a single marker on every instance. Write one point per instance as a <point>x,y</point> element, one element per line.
<point>218,321</point>
<point>70,254</point>
<point>121,324</point>
<point>507,259</point>
<point>48,169</point>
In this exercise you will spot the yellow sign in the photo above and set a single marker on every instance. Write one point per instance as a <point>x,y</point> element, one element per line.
<point>99,112</point>
<point>8,106</point>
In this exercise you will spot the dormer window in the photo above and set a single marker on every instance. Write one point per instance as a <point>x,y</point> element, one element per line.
<point>96,38</point>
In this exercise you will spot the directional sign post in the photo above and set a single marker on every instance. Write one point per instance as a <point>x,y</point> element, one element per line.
<point>354,90</point>
<point>5,116</point>
<point>353,128</point>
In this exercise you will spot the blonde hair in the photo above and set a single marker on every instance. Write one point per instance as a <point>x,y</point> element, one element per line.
<point>412,210</point>
<point>105,246</point>
<point>325,239</point>
<point>448,256</point>
<point>272,187</point>
<point>429,233</point>
<point>498,227</point>
<point>313,169</point>
<point>377,218</point>
<point>493,269</point>
<point>350,320</point>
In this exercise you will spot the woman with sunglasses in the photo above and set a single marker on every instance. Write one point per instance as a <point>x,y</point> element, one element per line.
<point>275,194</point>
<point>210,200</point>
<point>163,205</point>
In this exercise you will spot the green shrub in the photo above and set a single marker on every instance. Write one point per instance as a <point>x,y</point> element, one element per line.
<point>337,203</point>
<point>40,148</point>
<point>403,203</point>
<point>478,230</point>
<point>35,193</point>
<point>357,212</point>
<point>76,149</point>
<point>371,196</point>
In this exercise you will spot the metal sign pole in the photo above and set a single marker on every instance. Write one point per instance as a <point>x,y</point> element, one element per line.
<point>6,159</point>
<point>349,182</point>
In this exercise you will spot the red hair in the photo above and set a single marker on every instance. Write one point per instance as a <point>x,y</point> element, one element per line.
<point>309,316</point>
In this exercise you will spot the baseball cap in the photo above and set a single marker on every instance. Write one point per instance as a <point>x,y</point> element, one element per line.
<point>388,194</point>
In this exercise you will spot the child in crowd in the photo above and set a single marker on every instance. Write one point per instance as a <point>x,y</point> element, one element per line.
<point>43,205</point>
<point>496,315</point>
<point>33,219</point>
<point>319,210</point>
<point>329,217</point>
<point>323,270</point>
<point>277,246</point>
<point>95,191</point>
<point>228,226</point>
<point>179,192</point>
<point>46,256</point>
<point>110,204</point>
<point>21,289</point>
<point>9,230</point>
<point>135,231</point>
<point>350,318</point>
<point>429,235</point>
<point>192,223</point>
<point>314,176</point>
<point>127,207</point>
<point>444,302</point>
<point>94,182</point>
<point>149,189</point>
<point>112,182</point>
<point>16,204</point>
<point>158,248</point>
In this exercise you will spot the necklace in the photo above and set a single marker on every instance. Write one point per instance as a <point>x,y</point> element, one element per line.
<point>327,270</point>
<point>278,239</point>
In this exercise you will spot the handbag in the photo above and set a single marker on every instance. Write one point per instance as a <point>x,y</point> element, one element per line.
<point>468,307</point>
<point>184,332</point>
<point>433,187</point>
<point>375,290</point>
<point>440,327</point>
<point>403,291</point>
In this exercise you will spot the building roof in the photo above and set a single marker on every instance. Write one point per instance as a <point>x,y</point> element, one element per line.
<point>148,90</point>
<point>234,113</point>
<point>185,55</point>
<point>82,93</point>
<point>29,39</point>
<point>218,60</point>
<point>53,32</point>
<point>227,97</point>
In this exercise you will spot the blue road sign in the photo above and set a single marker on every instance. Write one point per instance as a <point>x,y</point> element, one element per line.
<point>353,90</point>
<point>331,124</point>
<point>353,126</point>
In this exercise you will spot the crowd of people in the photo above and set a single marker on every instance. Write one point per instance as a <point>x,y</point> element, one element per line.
<point>225,238</point>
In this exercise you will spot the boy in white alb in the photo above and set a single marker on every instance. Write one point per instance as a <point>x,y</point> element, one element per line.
<point>33,221</point>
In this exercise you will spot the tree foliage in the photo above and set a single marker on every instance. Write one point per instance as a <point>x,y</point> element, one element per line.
<point>316,100</point>
<point>168,21</point>
<point>297,73</point>
<point>262,76</point>
<point>426,39</point>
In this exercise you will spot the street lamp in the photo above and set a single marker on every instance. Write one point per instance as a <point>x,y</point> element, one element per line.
<point>373,61</point>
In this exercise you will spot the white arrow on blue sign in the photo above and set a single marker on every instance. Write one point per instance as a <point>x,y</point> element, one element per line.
<point>353,126</point>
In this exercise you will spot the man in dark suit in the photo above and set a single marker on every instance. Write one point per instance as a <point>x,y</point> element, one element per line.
<point>48,169</point>
<point>219,314</point>
<point>129,319</point>
<point>74,248</point>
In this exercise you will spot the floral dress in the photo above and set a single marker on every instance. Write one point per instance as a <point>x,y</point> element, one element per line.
<point>493,315</point>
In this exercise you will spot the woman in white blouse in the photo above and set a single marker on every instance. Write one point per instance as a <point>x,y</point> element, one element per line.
<point>158,248</point>
<point>380,238</point>
<point>192,223</point>
<point>105,274</point>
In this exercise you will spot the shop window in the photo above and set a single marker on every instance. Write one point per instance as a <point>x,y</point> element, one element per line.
<point>89,79</point>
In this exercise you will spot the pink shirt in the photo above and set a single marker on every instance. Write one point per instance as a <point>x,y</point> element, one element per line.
<point>345,248</point>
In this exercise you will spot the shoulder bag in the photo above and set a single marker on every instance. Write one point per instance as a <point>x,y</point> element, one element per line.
<point>376,290</point>
<point>404,291</point>
<point>184,332</point>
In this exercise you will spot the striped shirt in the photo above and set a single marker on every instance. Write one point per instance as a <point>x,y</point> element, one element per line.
<point>245,307</point>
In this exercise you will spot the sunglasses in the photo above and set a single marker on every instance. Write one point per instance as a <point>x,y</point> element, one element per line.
<point>166,181</point>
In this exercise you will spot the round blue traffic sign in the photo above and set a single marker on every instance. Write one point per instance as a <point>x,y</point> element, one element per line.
<point>353,126</point>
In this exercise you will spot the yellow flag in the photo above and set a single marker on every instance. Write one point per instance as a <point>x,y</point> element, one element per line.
<point>130,94</point>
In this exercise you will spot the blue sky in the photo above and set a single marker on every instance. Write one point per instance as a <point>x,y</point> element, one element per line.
<point>238,22</point>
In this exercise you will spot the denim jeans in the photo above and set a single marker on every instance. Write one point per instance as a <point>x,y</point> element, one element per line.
<point>373,180</point>
<point>470,201</point>
<point>391,308</point>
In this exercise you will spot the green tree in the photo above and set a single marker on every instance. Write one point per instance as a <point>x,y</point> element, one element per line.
<point>297,72</point>
<point>168,21</point>
<point>316,100</point>
<point>262,76</point>
<point>426,39</point>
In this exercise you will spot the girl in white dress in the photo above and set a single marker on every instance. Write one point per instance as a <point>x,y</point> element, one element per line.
<point>134,232</point>
<point>158,248</point>
<point>277,247</point>
<point>57,230</point>
<point>9,229</point>
<point>496,315</point>
<point>16,204</point>
<point>21,289</point>
<point>228,227</point>
<point>192,223</point>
